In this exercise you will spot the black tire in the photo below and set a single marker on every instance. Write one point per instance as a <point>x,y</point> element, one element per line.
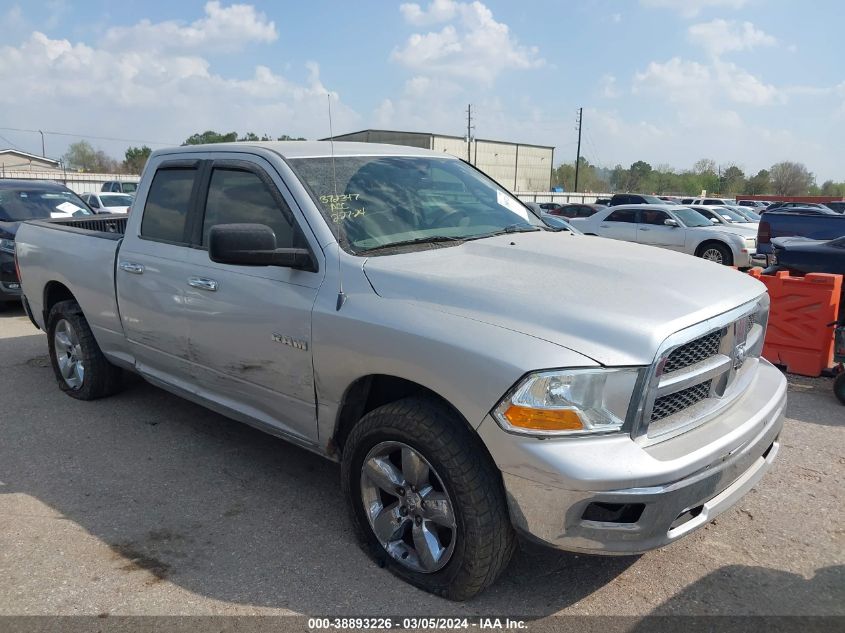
<point>724,251</point>
<point>839,387</point>
<point>484,540</point>
<point>101,378</point>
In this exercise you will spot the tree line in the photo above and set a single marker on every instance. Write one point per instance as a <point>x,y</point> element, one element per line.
<point>82,156</point>
<point>783,179</point>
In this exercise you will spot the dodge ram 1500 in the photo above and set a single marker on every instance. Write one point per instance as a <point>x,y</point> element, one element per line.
<point>478,374</point>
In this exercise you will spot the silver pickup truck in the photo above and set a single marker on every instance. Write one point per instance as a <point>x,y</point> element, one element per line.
<point>477,373</point>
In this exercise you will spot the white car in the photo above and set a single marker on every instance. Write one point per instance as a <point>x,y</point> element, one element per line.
<point>726,215</point>
<point>102,202</point>
<point>710,201</point>
<point>682,229</point>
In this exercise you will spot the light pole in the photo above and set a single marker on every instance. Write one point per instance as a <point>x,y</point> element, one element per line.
<point>42,144</point>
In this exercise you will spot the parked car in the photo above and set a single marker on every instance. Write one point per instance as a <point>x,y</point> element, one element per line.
<point>755,204</point>
<point>788,223</point>
<point>22,200</point>
<point>603,201</point>
<point>550,220</point>
<point>809,256</point>
<point>726,215</point>
<point>800,210</point>
<point>712,201</point>
<point>634,198</point>
<point>108,202</point>
<point>474,373</point>
<point>678,228</point>
<point>803,206</point>
<point>580,210</point>
<point>747,213</point>
<point>120,186</point>
<point>839,207</point>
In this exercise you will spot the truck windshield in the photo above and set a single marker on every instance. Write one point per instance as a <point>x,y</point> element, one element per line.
<point>375,202</point>
<point>19,205</point>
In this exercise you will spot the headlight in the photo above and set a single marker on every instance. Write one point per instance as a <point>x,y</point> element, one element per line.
<point>751,242</point>
<point>7,246</point>
<point>567,402</point>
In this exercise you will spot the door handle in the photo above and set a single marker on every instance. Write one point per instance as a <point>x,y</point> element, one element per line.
<point>604,226</point>
<point>129,267</point>
<point>202,283</point>
<point>642,228</point>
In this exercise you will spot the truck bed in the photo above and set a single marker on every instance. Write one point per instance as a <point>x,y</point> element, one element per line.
<point>77,254</point>
<point>817,227</point>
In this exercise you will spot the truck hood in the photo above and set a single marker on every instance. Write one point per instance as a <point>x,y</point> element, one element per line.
<point>612,301</point>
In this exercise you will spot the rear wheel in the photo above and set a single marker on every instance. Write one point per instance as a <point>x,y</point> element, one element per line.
<point>426,499</point>
<point>80,367</point>
<point>718,253</point>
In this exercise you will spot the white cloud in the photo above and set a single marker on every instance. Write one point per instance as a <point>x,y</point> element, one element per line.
<point>681,80</point>
<point>691,8</point>
<point>438,11</point>
<point>152,90</point>
<point>616,18</point>
<point>472,46</point>
<point>608,86</point>
<point>724,36</point>
<point>222,28</point>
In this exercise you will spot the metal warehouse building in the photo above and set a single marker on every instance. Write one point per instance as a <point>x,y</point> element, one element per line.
<point>517,166</point>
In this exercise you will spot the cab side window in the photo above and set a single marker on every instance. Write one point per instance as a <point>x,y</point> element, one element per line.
<point>237,196</point>
<point>166,208</point>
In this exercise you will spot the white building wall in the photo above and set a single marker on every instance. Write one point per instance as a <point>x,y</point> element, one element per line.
<point>80,183</point>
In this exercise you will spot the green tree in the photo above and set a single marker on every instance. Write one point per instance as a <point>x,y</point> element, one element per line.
<point>638,175</point>
<point>759,184</point>
<point>830,188</point>
<point>82,156</point>
<point>733,180</point>
<point>136,158</point>
<point>285,137</point>
<point>210,136</point>
<point>791,179</point>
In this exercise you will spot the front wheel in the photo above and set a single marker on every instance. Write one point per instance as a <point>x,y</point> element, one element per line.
<point>839,387</point>
<point>717,253</point>
<point>426,499</point>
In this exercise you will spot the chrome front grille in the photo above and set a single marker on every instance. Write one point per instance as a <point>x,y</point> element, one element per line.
<point>702,369</point>
<point>680,400</point>
<point>693,352</point>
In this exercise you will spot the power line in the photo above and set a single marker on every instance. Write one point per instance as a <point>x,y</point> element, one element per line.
<point>4,139</point>
<point>98,138</point>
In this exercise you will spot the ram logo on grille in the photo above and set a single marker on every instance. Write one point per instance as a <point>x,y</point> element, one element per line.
<point>740,351</point>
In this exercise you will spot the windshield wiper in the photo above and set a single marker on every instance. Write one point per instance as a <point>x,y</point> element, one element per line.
<point>511,228</point>
<point>432,239</point>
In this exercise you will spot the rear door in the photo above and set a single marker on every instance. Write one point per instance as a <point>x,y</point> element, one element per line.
<point>652,230</point>
<point>151,271</point>
<point>250,326</point>
<point>621,224</point>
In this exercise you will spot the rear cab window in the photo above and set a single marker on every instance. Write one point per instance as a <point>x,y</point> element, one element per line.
<point>167,204</point>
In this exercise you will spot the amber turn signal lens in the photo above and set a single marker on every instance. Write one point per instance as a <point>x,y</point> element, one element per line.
<point>544,419</point>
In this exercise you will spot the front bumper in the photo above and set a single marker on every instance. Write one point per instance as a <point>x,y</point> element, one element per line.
<point>652,494</point>
<point>10,287</point>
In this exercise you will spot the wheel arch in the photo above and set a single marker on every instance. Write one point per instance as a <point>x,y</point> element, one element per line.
<point>372,391</point>
<point>714,241</point>
<point>54,292</point>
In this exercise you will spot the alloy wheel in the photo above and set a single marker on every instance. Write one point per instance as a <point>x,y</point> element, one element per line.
<point>407,506</point>
<point>69,354</point>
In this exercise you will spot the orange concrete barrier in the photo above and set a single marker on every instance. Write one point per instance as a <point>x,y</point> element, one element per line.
<point>799,336</point>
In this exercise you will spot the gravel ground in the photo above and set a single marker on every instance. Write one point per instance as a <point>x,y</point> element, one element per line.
<point>146,504</point>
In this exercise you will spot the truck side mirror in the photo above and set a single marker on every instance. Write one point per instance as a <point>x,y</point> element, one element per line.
<point>254,245</point>
<point>671,222</point>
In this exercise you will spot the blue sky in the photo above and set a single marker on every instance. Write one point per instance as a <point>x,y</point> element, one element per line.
<point>749,82</point>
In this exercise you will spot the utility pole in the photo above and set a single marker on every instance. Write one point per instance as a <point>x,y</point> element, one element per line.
<point>42,143</point>
<point>578,155</point>
<point>469,133</point>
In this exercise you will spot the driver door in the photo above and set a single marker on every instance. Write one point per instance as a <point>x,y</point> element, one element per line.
<point>249,327</point>
<point>652,230</point>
